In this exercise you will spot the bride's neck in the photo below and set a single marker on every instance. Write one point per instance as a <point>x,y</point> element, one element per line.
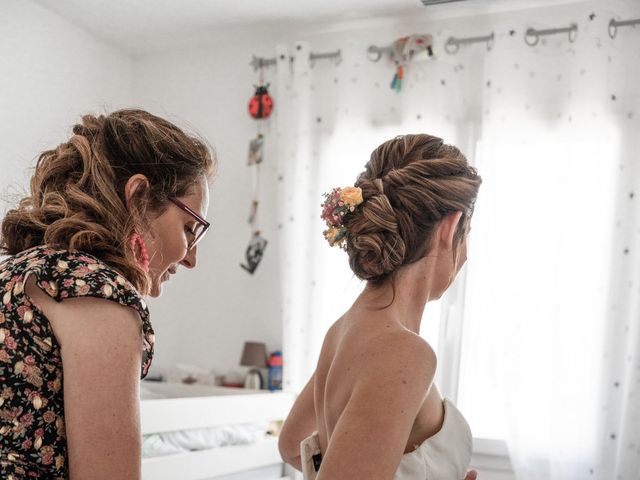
<point>405,296</point>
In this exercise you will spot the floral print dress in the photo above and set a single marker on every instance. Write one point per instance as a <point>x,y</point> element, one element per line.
<point>32,429</point>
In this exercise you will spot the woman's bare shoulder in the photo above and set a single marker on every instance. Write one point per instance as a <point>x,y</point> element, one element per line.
<point>85,316</point>
<point>383,348</point>
<point>333,335</point>
<point>400,345</point>
<point>380,333</point>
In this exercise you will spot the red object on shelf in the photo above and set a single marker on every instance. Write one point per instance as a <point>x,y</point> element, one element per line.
<point>233,385</point>
<point>275,360</point>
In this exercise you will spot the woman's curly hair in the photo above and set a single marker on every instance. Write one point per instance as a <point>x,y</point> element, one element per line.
<point>77,199</point>
<point>409,184</point>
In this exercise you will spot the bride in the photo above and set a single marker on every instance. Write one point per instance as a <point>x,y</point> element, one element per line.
<point>371,410</point>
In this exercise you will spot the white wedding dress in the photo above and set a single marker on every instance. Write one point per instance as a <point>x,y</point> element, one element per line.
<point>443,456</point>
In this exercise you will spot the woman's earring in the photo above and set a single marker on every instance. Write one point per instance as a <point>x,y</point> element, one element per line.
<point>137,241</point>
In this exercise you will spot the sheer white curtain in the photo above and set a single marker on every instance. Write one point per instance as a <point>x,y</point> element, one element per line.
<point>549,299</point>
<point>328,120</point>
<point>295,176</point>
<point>551,306</point>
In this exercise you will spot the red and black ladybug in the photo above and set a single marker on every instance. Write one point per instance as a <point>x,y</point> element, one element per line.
<point>261,104</point>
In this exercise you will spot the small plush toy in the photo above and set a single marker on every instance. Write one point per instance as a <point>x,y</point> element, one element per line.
<point>402,52</point>
<point>261,104</point>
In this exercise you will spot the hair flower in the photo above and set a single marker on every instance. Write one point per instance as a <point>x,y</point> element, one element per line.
<point>337,204</point>
<point>334,235</point>
<point>351,196</point>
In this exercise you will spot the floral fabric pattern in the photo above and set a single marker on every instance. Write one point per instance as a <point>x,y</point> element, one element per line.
<point>32,428</point>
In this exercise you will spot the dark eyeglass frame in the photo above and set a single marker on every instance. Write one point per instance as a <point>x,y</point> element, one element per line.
<point>198,218</point>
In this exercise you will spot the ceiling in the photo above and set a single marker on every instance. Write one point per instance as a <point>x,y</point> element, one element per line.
<point>138,27</point>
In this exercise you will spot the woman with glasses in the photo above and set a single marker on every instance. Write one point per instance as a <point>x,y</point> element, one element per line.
<point>111,214</point>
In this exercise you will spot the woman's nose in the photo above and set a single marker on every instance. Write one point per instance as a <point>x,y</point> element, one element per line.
<point>189,260</point>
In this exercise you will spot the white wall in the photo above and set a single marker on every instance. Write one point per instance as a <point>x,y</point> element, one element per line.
<point>52,72</point>
<point>205,315</point>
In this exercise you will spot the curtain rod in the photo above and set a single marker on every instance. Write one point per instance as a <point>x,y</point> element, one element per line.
<point>427,3</point>
<point>260,62</point>
<point>614,24</point>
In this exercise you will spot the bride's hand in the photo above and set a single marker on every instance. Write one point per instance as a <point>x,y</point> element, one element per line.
<point>471,475</point>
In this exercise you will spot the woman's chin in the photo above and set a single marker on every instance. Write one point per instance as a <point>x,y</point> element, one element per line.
<point>156,289</point>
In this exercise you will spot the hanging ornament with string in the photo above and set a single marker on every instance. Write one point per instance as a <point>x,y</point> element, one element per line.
<point>396,83</point>
<point>254,252</point>
<point>260,107</point>
<point>261,104</point>
<point>255,150</point>
<point>257,244</point>
<point>406,49</point>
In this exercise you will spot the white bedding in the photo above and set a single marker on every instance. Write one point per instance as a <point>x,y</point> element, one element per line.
<point>168,443</point>
<point>159,444</point>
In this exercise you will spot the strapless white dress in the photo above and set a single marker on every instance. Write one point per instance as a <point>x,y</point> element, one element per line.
<point>443,456</point>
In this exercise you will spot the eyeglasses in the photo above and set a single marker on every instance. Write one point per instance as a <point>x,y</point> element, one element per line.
<point>201,224</point>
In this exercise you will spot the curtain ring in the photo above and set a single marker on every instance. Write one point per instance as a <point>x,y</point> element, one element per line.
<point>531,33</point>
<point>613,28</point>
<point>452,46</point>
<point>490,41</point>
<point>373,53</point>
<point>573,32</point>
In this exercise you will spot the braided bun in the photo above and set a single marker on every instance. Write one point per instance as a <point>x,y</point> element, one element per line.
<point>409,184</point>
<point>374,242</point>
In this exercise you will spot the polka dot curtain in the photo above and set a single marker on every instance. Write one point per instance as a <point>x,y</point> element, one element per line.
<point>550,357</point>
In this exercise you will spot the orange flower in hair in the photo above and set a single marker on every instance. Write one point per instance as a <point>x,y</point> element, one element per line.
<point>338,203</point>
<point>351,196</point>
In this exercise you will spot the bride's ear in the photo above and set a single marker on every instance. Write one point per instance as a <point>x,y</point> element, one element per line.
<point>447,229</point>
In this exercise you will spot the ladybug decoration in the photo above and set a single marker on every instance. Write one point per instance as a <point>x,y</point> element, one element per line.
<point>261,104</point>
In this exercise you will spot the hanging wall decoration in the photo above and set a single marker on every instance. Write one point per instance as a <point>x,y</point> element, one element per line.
<point>404,50</point>
<point>254,252</point>
<point>255,150</point>
<point>261,104</point>
<point>260,108</point>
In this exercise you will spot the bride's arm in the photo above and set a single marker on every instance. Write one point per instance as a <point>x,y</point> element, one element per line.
<point>300,423</point>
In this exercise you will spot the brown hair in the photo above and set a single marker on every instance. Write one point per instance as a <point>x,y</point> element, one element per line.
<point>77,196</point>
<point>409,184</point>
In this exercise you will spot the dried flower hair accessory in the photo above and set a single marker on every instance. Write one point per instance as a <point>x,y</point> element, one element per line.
<point>338,203</point>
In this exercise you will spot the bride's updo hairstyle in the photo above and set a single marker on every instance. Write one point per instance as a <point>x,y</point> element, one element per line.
<point>410,183</point>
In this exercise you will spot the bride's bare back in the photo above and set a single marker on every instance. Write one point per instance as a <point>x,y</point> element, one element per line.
<point>354,347</point>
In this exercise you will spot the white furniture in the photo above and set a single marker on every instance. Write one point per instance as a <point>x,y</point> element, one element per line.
<point>186,407</point>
